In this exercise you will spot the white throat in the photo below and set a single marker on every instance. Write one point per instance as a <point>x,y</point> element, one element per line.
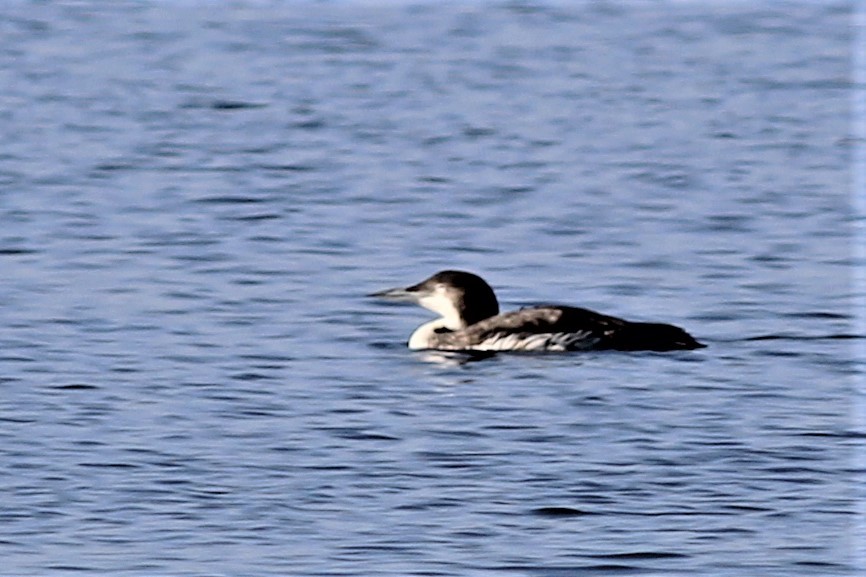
<point>440,301</point>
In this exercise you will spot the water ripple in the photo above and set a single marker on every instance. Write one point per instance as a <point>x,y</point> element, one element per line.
<point>195,203</point>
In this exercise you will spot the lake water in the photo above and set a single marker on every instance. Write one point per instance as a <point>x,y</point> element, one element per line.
<point>196,196</point>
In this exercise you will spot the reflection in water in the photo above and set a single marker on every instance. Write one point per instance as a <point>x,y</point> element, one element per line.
<point>453,359</point>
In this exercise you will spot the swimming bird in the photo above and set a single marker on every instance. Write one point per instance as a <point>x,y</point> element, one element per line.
<point>470,321</point>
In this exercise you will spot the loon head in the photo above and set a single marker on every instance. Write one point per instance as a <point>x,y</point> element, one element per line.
<point>460,298</point>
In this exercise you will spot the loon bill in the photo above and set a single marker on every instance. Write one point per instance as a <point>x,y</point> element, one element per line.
<point>470,321</point>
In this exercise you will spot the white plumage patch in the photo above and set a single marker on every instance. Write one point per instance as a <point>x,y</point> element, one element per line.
<point>440,301</point>
<point>537,342</point>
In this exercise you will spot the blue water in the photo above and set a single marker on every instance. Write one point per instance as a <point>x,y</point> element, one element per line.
<point>196,196</point>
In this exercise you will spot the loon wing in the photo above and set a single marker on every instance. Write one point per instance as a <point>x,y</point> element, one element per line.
<point>564,328</point>
<point>549,328</point>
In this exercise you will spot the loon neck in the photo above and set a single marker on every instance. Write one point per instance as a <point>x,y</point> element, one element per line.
<point>424,336</point>
<point>476,306</point>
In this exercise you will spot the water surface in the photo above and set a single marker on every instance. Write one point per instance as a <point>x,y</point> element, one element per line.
<point>195,198</point>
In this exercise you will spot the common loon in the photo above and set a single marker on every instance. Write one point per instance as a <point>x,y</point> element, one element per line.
<point>470,321</point>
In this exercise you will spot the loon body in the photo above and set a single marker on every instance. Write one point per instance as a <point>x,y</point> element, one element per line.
<point>470,321</point>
